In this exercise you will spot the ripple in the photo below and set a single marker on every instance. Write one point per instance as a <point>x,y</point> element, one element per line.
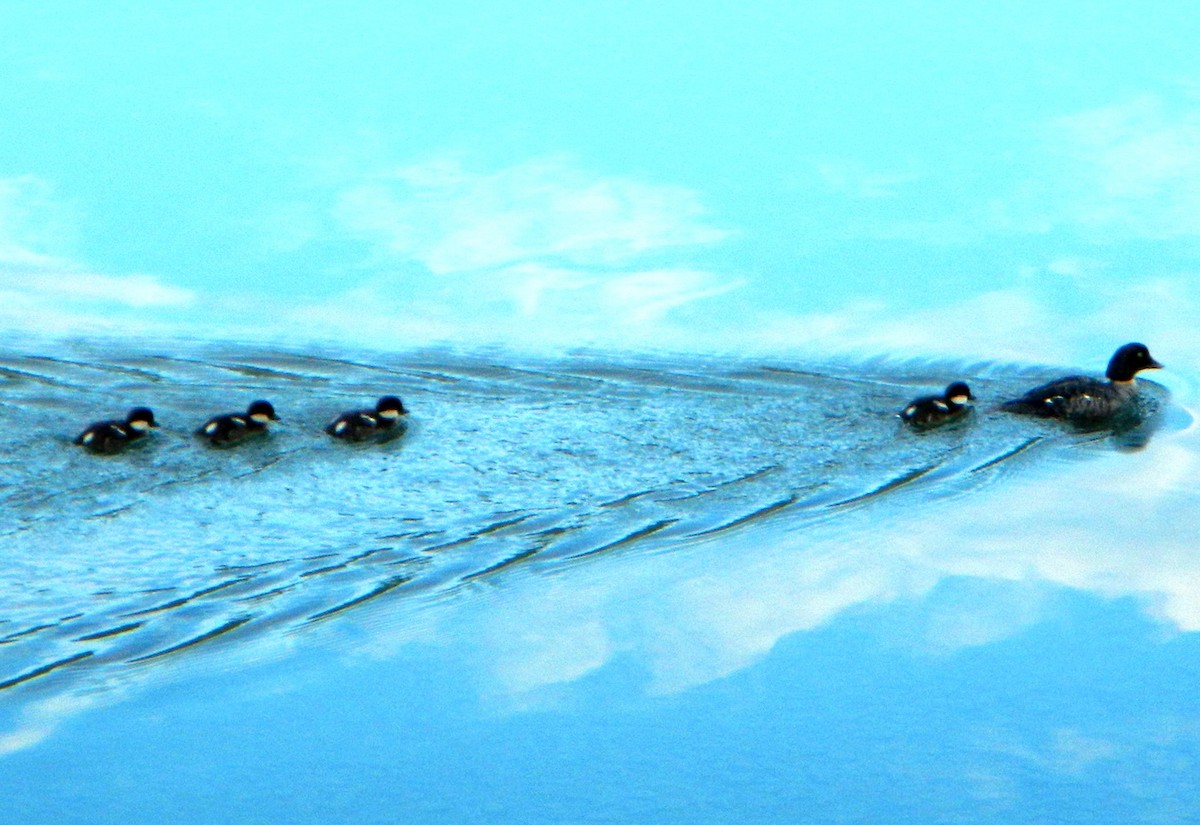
<point>167,549</point>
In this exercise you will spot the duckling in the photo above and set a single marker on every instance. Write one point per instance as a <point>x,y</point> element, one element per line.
<point>357,425</point>
<point>112,436</point>
<point>1087,400</point>
<point>932,410</point>
<point>232,427</point>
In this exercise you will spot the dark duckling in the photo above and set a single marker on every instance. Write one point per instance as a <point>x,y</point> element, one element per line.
<point>233,427</point>
<point>932,410</point>
<point>382,422</point>
<point>1087,400</point>
<point>113,436</point>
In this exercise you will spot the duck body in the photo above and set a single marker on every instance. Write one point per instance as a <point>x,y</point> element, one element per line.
<point>1075,398</point>
<point>353,425</point>
<point>113,436</point>
<point>934,410</point>
<point>1086,400</point>
<point>230,428</point>
<point>381,423</point>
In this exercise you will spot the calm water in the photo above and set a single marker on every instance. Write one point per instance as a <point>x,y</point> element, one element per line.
<point>591,590</point>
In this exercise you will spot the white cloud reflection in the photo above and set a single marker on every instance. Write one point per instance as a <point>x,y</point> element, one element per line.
<point>44,291</point>
<point>539,252</point>
<point>56,298</point>
<point>39,720</point>
<point>453,221</point>
<point>1115,526</point>
<point>1132,167</point>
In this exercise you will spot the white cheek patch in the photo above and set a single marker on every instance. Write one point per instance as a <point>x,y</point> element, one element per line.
<point>960,399</point>
<point>390,414</point>
<point>261,418</point>
<point>140,426</point>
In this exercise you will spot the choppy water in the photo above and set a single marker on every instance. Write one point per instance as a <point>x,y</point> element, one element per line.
<point>118,563</point>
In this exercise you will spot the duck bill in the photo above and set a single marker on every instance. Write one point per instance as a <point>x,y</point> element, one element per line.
<point>1154,365</point>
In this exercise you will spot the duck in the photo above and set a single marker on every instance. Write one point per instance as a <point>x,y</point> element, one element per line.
<point>233,427</point>
<point>358,425</point>
<point>1087,400</point>
<point>112,436</point>
<point>932,410</point>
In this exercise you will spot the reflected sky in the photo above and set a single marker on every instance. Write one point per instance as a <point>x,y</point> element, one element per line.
<point>918,176</point>
<point>949,661</point>
<point>1016,182</point>
<point>1118,526</point>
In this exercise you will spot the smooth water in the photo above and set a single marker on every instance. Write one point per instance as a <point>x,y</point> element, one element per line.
<point>588,589</point>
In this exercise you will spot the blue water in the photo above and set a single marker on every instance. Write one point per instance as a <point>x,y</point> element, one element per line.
<point>588,586</point>
<point>594,588</point>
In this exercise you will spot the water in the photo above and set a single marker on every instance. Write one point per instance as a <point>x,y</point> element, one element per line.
<point>172,545</point>
<point>676,562</point>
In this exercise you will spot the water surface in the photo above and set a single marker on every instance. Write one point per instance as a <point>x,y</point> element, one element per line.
<point>672,563</point>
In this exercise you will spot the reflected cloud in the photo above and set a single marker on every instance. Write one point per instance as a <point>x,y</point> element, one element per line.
<point>547,254</point>
<point>122,290</point>
<point>33,221</point>
<point>452,221</point>
<point>56,298</point>
<point>717,625</point>
<point>528,305</point>
<point>529,649</point>
<point>42,291</point>
<point>542,253</point>
<point>39,720</point>
<point>1066,752</point>
<point>1117,526</point>
<point>1133,167</point>
<point>856,181</point>
<point>1064,321</point>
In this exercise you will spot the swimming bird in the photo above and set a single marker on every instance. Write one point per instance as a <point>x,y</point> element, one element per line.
<point>233,427</point>
<point>357,425</point>
<point>111,436</point>
<point>1084,399</point>
<point>931,410</point>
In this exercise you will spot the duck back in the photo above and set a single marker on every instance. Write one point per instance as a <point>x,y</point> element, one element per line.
<point>1077,397</point>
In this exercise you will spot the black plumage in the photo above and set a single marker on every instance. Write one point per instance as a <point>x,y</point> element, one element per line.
<point>1084,399</point>
<point>384,421</point>
<point>230,428</point>
<point>932,410</point>
<point>113,436</point>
